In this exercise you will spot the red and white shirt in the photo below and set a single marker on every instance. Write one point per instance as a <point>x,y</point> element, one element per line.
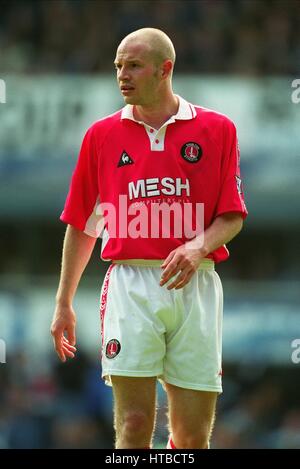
<point>193,158</point>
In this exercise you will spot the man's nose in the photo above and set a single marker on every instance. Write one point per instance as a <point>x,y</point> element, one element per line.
<point>123,73</point>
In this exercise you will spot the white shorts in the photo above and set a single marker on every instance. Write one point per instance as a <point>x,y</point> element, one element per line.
<point>148,330</point>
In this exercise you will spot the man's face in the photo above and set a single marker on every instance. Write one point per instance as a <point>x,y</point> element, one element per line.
<point>137,74</point>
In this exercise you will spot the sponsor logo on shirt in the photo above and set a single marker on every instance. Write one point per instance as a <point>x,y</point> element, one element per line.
<point>156,186</point>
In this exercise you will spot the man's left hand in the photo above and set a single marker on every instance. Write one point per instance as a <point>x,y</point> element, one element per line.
<point>184,259</point>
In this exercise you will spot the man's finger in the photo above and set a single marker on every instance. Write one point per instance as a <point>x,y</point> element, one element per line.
<point>178,280</point>
<point>172,269</point>
<point>169,272</point>
<point>68,352</point>
<point>57,340</point>
<point>168,259</point>
<point>69,346</point>
<point>60,352</point>
<point>71,335</point>
<point>170,266</point>
<point>184,282</point>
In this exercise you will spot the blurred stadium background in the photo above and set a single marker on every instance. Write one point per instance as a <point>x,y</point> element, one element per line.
<point>238,57</point>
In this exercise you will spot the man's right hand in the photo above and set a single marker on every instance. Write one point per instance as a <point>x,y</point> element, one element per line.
<point>64,321</point>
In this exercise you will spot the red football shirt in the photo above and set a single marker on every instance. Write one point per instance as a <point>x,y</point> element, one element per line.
<point>125,168</point>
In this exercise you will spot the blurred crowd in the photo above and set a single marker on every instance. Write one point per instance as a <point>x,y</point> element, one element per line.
<point>68,406</point>
<point>47,405</point>
<point>259,408</point>
<point>253,37</point>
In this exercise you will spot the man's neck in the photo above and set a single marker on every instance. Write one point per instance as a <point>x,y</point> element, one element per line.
<point>157,115</point>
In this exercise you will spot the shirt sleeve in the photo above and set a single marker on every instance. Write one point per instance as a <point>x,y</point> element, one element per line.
<point>82,206</point>
<point>231,198</point>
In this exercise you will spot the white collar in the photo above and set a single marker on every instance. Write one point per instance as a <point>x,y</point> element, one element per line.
<point>186,111</point>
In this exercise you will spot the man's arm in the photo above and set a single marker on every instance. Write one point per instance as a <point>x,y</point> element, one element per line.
<point>186,258</point>
<point>77,250</point>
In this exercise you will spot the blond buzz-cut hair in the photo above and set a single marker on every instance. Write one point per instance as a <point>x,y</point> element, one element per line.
<point>159,43</point>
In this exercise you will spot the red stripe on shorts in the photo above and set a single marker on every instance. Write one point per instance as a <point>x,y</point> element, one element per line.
<point>103,299</point>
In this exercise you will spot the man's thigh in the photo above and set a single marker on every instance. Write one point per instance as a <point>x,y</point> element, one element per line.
<point>191,411</point>
<point>134,395</point>
<point>134,411</point>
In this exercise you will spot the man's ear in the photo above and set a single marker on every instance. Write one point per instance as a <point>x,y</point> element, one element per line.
<point>166,69</point>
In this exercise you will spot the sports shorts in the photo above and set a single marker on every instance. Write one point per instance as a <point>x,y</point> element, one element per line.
<point>147,330</point>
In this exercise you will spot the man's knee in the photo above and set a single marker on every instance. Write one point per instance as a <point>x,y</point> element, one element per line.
<point>137,423</point>
<point>184,439</point>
